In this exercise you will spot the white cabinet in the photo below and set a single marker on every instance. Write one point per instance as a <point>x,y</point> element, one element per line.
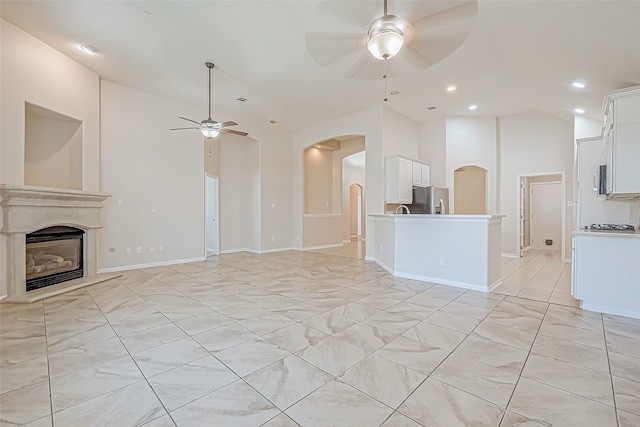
<point>605,272</point>
<point>399,180</point>
<point>420,174</point>
<point>622,142</point>
<point>425,175</point>
<point>417,174</point>
<point>591,208</point>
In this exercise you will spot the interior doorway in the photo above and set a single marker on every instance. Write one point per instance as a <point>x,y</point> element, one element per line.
<point>541,200</point>
<point>355,210</point>
<point>470,191</point>
<point>212,227</point>
<point>546,215</point>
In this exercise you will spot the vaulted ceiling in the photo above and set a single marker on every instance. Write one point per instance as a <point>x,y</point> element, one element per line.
<point>519,55</point>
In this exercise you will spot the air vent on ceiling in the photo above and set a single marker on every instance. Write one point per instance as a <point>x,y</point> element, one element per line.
<point>433,107</point>
<point>241,99</point>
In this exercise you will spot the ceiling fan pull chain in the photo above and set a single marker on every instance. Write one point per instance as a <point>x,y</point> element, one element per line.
<point>384,76</point>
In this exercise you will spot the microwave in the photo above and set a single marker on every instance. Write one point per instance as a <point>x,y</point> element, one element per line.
<point>600,181</point>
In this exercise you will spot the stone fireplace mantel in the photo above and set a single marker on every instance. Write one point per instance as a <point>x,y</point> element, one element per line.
<point>27,209</point>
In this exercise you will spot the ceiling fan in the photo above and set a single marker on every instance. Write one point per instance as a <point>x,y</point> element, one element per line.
<point>429,32</point>
<point>209,127</point>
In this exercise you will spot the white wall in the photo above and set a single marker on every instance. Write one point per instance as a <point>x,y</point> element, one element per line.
<point>276,186</point>
<point>239,194</point>
<point>532,143</point>
<point>61,85</point>
<point>149,167</point>
<point>432,148</point>
<point>365,123</point>
<point>472,141</point>
<point>318,181</point>
<point>399,134</point>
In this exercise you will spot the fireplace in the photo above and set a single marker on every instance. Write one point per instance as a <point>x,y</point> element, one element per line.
<point>53,255</point>
<point>47,232</point>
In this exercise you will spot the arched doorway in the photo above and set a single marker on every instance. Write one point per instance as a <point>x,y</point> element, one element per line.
<point>470,191</point>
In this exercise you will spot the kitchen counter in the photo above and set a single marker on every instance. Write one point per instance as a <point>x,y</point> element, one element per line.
<point>455,250</point>
<point>621,234</point>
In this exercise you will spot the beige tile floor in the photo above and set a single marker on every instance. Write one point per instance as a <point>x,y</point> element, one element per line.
<point>307,339</point>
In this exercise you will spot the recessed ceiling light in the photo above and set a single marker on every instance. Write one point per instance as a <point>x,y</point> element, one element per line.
<point>433,107</point>
<point>579,110</point>
<point>451,89</point>
<point>272,122</point>
<point>395,92</point>
<point>87,48</point>
<point>241,99</point>
<point>578,85</point>
<point>472,107</point>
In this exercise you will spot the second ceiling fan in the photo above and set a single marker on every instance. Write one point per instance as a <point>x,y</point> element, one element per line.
<point>209,127</point>
<point>428,32</point>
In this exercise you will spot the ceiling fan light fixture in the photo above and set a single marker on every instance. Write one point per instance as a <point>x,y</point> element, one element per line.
<point>385,44</point>
<point>209,132</point>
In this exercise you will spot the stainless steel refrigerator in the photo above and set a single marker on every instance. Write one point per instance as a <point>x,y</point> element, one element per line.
<point>430,200</point>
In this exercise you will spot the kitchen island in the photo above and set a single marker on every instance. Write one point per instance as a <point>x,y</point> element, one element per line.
<point>606,272</point>
<point>455,250</point>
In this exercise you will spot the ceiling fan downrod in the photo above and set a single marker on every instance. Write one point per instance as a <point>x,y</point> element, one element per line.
<point>210,66</point>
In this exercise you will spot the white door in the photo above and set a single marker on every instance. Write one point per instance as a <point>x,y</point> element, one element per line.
<point>211,216</point>
<point>522,218</point>
<point>546,215</point>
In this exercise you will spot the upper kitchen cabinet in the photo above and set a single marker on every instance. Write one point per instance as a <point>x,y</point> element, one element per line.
<point>622,142</point>
<point>420,174</point>
<point>399,180</point>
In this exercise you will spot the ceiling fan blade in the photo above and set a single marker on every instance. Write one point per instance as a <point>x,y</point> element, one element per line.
<point>450,16</point>
<point>414,58</point>
<point>225,124</point>
<point>189,120</point>
<point>235,132</point>
<point>360,65</point>
<point>182,128</point>
<point>328,48</point>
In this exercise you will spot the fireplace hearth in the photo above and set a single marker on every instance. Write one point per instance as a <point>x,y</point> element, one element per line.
<point>54,255</point>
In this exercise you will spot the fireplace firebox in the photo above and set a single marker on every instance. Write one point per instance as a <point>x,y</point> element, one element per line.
<point>54,255</point>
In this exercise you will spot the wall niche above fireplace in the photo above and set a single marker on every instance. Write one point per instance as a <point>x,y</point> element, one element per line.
<point>52,149</point>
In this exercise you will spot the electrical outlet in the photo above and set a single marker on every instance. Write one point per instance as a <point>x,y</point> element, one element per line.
<point>152,250</point>
<point>160,248</point>
<point>273,205</point>
<point>120,202</point>
<point>128,250</point>
<point>273,239</point>
<point>441,261</point>
<point>138,250</point>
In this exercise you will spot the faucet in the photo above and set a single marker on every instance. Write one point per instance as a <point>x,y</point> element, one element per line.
<point>405,208</point>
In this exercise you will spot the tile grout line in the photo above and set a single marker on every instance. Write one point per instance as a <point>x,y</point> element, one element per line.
<point>613,390</point>
<point>524,364</point>
<point>134,361</point>
<point>46,342</point>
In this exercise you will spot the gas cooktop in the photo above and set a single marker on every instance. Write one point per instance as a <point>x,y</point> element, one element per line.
<point>612,227</point>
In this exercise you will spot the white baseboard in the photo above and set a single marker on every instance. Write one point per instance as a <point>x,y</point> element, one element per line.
<point>311,248</point>
<point>439,281</point>
<point>3,297</point>
<point>347,241</point>
<point>505,255</point>
<point>369,258</point>
<point>601,308</point>
<point>150,264</point>
<point>528,248</point>
<point>257,251</point>
<point>268,251</point>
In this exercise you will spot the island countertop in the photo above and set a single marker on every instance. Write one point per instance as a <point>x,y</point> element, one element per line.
<point>435,216</point>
